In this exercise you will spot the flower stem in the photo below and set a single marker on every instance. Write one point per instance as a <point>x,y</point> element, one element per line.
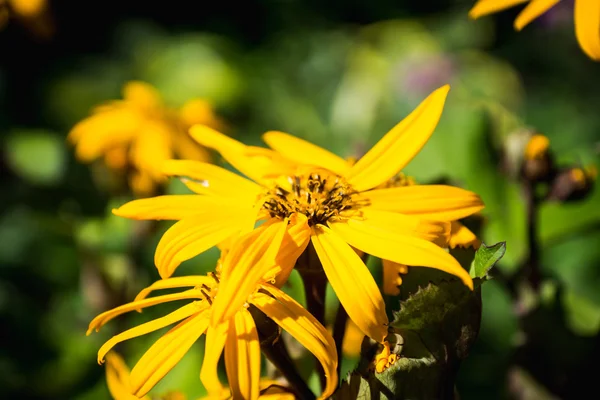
<point>315,283</point>
<point>274,349</point>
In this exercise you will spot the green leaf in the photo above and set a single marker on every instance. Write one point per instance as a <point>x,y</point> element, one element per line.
<point>37,156</point>
<point>582,315</point>
<point>485,258</point>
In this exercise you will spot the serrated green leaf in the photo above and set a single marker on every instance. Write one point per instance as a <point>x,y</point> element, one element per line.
<point>485,258</point>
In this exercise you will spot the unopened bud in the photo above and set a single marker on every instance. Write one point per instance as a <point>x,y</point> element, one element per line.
<point>537,160</point>
<point>572,184</point>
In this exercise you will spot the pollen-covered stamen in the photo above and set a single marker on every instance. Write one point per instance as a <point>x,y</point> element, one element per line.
<point>320,196</point>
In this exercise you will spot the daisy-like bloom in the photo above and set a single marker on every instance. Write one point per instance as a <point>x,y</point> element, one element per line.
<point>342,211</point>
<point>140,132</point>
<point>230,328</point>
<point>587,18</point>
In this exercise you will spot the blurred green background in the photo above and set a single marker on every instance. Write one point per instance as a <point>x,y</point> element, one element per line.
<point>338,73</point>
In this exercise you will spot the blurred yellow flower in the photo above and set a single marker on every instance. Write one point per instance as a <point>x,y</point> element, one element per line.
<point>32,13</point>
<point>117,380</point>
<point>537,147</point>
<point>140,133</point>
<point>339,206</point>
<point>227,327</point>
<point>587,18</point>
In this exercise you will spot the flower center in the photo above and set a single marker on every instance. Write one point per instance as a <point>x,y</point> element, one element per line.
<point>321,196</point>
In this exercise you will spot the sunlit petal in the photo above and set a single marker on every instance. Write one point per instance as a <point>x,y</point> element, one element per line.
<point>303,327</point>
<point>402,249</point>
<point>151,326</point>
<point>462,236</point>
<point>215,340</point>
<point>352,282</point>
<point>168,207</point>
<point>434,202</point>
<point>166,352</point>
<point>303,152</point>
<point>172,283</point>
<point>210,179</point>
<point>242,357</point>
<point>587,27</point>
<point>294,243</point>
<point>194,235</point>
<point>117,378</point>
<point>247,262</point>
<point>399,145</point>
<point>534,9</point>
<point>103,318</point>
<point>486,7</point>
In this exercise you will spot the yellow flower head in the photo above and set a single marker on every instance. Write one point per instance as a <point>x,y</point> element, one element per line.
<point>333,202</point>
<point>537,147</point>
<point>141,132</point>
<point>218,310</point>
<point>587,18</point>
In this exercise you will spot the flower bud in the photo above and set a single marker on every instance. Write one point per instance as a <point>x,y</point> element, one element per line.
<point>537,160</point>
<point>572,184</point>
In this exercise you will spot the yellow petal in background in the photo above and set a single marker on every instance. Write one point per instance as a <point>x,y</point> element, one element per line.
<point>402,249</point>
<point>212,180</point>
<point>142,95</point>
<point>391,277</point>
<point>303,327</point>
<point>167,207</point>
<point>303,152</point>
<point>117,378</point>
<point>400,145</point>
<point>215,341</point>
<point>486,7</point>
<point>433,202</point>
<point>165,353</point>
<point>242,357</point>
<point>194,235</point>
<point>587,27</point>
<point>352,282</point>
<point>534,9</point>
<point>152,148</point>
<point>462,236</point>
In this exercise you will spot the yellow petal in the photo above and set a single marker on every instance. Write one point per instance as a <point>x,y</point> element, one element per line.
<point>103,318</point>
<point>166,352</point>
<point>141,183</point>
<point>402,249</point>
<point>215,340</point>
<point>169,207</point>
<point>462,236</point>
<point>411,225</point>
<point>178,282</point>
<point>101,132</point>
<point>199,111</point>
<point>213,180</point>
<point>252,162</point>
<point>399,145</point>
<point>433,202</point>
<point>151,149</point>
<point>352,282</point>
<point>587,27</point>
<point>303,327</point>
<point>391,277</point>
<point>151,326</point>
<point>250,258</point>
<point>194,235</point>
<point>117,378</point>
<point>486,7</point>
<point>303,152</point>
<point>142,95</point>
<point>186,148</point>
<point>534,9</point>
<point>242,357</point>
<point>293,245</point>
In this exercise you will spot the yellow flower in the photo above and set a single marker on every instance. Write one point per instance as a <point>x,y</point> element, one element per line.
<point>117,380</point>
<point>587,18</point>
<point>141,132</point>
<point>269,390</point>
<point>226,328</point>
<point>341,209</point>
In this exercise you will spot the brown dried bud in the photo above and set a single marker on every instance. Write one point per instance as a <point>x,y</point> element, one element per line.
<point>572,184</point>
<point>538,164</point>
